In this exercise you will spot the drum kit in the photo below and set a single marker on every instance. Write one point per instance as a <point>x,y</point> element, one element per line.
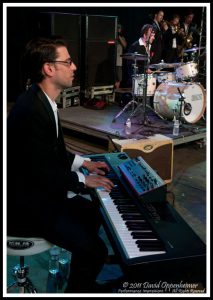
<point>176,94</point>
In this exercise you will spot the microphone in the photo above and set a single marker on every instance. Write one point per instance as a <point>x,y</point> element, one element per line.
<point>148,41</point>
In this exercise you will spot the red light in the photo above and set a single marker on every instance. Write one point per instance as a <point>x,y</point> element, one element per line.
<point>111,42</point>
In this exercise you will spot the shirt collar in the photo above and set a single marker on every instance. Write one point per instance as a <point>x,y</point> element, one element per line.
<point>141,42</point>
<point>52,103</point>
<point>156,22</point>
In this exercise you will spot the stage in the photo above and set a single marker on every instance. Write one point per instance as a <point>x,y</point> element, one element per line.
<point>104,123</point>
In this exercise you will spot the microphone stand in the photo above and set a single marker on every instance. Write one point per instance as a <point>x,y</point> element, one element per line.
<point>181,99</point>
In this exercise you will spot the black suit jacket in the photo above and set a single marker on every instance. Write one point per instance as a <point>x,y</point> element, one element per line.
<point>38,168</point>
<point>157,44</point>
<point>191,29</point>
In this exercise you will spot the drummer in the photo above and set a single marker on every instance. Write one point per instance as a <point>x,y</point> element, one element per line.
<point>141,46</point>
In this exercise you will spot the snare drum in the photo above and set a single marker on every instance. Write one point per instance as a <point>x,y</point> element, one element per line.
<point>167,100</point>
<point>165,76</point>
<point>139,84</point>
<point>187,71</point>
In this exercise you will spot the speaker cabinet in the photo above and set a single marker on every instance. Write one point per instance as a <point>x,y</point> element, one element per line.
<point>68,26</point>
<point>100,50</point>
<point>100,65</point>
<point>101,28</point>
<point>156,150</point>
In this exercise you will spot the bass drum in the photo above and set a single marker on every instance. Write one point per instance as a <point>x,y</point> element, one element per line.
<point>167,100</point>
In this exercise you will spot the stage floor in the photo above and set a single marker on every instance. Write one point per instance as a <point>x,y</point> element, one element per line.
<point>107,122</point>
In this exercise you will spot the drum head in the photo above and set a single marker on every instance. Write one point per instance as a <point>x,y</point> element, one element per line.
<point>187,70</point>
<point>139,84</point>
<point>195,103</point>
<point>167,100</point>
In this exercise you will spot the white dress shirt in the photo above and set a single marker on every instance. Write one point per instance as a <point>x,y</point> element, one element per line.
<point>78,160</point>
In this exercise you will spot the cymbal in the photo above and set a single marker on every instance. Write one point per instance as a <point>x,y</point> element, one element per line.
<point>178,84</point>
<point>194,49</point>
<point>134,56</point>
<point>164,65</point>
<point>174,65</point>
<point>160,72</point>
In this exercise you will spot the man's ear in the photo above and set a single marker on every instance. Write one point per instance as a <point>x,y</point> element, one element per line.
<point>48,69</point>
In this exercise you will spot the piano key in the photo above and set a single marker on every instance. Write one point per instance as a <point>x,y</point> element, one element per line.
<point>134,216</point>
<point>124,236</point>
<point>143,235</point>
<point>132,227</point>
<point>123,209</point>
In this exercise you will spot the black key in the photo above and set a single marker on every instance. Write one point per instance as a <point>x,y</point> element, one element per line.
<point>134,227</point>
<point>145,245</point>
<point>143,235</point>
<point>132,217</point>
<point>127,208</point>
<point>122,201</point>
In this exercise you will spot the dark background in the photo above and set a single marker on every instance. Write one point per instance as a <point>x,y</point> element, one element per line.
<point>22,25</point>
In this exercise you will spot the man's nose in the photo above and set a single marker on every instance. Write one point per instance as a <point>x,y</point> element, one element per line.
<point>74,68</point>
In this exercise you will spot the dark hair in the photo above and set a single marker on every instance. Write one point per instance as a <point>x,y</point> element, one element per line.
<point>156,11</point>
<point>145,29</point>
<point>175,16</point>
<point>37,52</point>
<point>189,12</point>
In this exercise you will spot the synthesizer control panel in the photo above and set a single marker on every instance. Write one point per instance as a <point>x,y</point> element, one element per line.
<point>140,176</point>
<point>137,176</point>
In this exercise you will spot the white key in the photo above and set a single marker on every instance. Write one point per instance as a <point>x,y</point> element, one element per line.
<point>122,232</point>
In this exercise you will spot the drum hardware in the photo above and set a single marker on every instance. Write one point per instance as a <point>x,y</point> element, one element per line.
<point>144,97</point>
<point>134,56</point>
<point>202,55</point>
<point>193,49</point>
<point>143,104</point>
<point>181,99</point>
<point>135,68</point>
<point>135,104</point>
<point>163,65</point>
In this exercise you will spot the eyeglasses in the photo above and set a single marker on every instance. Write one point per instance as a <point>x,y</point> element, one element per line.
<point>68,61</point>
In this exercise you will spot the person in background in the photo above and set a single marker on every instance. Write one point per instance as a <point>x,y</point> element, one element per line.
<point>159,28</point>
<point>141,46</point>
<point>121,45</point>
<point>188,35</point>
<point>170,51</point>
<point>44,184</point>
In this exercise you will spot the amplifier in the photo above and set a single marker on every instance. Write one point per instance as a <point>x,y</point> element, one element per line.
<point>69,97</point>
<point>156,150</point>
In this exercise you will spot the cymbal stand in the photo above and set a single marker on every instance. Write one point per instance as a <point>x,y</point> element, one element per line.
<point>144,103</point>
<point>133,101</point>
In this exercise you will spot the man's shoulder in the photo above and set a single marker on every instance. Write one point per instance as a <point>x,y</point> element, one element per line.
<point>136,43</point>
<point>133,46</point>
